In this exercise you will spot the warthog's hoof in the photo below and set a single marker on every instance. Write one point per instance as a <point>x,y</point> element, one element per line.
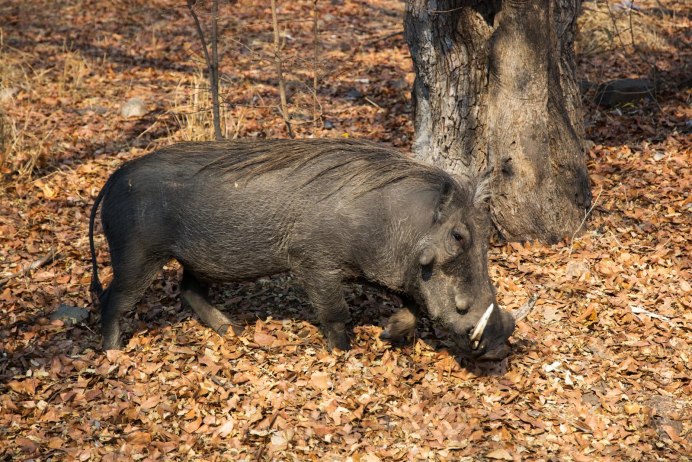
<point>223,329</point>
<point>111,343</point>
<point>237,330</point>
<point>337,337</point>
<point>341,343</point>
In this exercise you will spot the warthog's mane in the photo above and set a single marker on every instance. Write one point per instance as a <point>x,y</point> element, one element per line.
<point>363,166</point>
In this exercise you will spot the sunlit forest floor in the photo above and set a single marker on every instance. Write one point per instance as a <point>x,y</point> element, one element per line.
<point>599,371</point>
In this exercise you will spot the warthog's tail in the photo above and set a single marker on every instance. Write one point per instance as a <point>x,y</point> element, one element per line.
<point>96,288</point>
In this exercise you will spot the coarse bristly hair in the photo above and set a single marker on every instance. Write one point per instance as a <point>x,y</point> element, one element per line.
<point>482,190</point>
<point>333,163</point>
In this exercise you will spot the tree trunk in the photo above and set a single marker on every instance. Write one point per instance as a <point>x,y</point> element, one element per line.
<point>495,88</point>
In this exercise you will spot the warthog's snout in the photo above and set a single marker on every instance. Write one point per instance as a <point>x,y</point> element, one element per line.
<point>492,345</point>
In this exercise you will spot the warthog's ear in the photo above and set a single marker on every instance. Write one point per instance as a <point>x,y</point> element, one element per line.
<point>443,201</point>
<point>427,256</point>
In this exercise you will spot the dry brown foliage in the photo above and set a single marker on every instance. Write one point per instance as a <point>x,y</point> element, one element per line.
<point>599,371</point>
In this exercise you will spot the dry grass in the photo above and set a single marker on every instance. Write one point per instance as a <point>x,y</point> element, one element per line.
<point>4,136</point>
<point>606,26</point>
<point>75,69</point>
<point>9,77</point>
<point>25,149</point>
<point>19,148</point>
<point>192,110</point>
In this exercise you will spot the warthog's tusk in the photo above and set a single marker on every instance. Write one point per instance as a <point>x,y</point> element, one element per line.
<point>480,327</point>
<point>525,309</point>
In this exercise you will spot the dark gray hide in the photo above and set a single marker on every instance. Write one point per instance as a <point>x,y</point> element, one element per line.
<point>328,211</point>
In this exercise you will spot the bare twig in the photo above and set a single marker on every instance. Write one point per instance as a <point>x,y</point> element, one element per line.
<point>200,32</point>
<point>280,70</point>
<point>237,125</point>
<point>615,25</point>
<point>212,66</point>
<point>586,215</point>
<point>445,11</point>
<point>372,102</point>
<point>262,449</point>
<point>314,74</point>
<point>256,56</point>
<point>214,71</point>
<point>631,9</point>
<point>44,260</point>
<point>382,37</point>
<point>525,309</point>
<point>635,47</point>
<point>638,309</point>
<point>4,134</point>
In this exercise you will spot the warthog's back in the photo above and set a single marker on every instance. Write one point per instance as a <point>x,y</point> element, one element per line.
<point>233,209</point>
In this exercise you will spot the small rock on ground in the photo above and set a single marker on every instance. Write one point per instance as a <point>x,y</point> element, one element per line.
<point>70,315</point>
<point>134,107</point>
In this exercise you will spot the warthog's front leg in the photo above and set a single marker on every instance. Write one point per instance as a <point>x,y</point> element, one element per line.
<point>326,295</point>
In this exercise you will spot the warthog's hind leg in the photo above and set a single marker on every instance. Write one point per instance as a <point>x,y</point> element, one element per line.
<point>195,294</point>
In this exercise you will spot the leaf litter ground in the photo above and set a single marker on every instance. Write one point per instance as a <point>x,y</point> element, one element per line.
<point>599,371</point>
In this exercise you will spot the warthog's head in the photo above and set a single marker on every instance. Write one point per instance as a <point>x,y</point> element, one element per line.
<point>453,280</point>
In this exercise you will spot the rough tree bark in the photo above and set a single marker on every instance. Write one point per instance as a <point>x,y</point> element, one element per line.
<point>495,88</point>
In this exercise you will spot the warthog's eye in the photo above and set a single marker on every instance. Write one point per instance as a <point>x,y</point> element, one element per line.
<point>459,239</point>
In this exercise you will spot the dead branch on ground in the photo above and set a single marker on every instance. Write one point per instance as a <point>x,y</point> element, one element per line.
<point>44,260</point>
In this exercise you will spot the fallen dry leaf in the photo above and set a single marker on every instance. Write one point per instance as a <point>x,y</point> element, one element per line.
<point>632,408</point>
<point>263,339</point>
<point>320,380</point>
<point>499,454</point>
<point>598,371</point>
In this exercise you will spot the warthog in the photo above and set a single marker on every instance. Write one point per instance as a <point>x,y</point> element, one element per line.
<point>328,211</point>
